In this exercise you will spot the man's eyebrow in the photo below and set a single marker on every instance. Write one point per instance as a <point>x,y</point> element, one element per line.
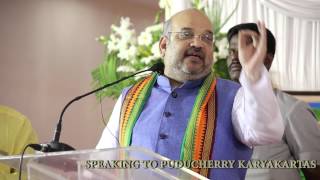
<point>208,31</point>
<point>190,29</point>
<point>186,29</point>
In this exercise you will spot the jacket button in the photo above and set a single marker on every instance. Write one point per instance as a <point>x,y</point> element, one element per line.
<point>163,136</point>
<point>174,94</point>
<point>167,114</point>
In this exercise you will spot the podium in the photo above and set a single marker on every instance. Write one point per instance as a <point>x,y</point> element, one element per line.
<point>115,163</point>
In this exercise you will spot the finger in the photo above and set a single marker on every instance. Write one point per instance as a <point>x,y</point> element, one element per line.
<point>263,34</point>
<point>255,40</point>
<point>258,25</point>
<point>261,25</point>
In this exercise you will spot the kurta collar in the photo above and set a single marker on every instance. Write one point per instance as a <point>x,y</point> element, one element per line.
<point>164,83</point>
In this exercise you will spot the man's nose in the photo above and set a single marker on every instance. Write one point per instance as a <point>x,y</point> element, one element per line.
<point>235,60</point>
<point>197,42</point>
<point>233,54</point>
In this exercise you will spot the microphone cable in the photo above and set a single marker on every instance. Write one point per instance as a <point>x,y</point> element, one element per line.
<point>33,146</point>
<point>105,123</point>
<point>101,112</point>
<point>157,67</point>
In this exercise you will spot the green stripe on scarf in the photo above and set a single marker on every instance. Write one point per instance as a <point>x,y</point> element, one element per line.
<point>188,139</point>
<point>138,107</point>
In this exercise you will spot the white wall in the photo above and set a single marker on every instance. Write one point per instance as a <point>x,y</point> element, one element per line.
<point>47,52</point>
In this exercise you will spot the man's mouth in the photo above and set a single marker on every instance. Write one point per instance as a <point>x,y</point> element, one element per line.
<point>194,58</point>
<point>195,55</point>
<point>235,66</point>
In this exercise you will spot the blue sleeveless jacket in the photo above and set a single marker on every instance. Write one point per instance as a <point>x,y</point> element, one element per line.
<point>165,116</point>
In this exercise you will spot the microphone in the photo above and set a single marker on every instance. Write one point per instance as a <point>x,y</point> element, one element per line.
<point>158,67</point>
<point>55,145</point>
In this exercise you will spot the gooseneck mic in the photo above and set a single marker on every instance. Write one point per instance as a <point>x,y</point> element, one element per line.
<point>55,145</point>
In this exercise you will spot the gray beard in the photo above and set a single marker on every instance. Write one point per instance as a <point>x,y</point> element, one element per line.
<point>182,74</point>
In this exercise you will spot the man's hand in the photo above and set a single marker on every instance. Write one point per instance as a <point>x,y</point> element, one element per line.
<point>252,51</point>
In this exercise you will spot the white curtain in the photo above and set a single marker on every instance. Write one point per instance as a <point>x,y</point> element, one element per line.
<point>296,26</point>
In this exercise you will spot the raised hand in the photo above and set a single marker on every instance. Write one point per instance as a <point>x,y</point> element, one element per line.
<point>252,51</point>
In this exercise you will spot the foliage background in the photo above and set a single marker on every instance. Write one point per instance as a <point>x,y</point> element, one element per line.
<point>125,52</point>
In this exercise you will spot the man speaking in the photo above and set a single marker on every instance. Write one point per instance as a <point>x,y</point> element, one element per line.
<point>188,113</point>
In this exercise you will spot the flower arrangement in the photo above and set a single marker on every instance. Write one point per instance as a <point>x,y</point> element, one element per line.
<point>125,52</point>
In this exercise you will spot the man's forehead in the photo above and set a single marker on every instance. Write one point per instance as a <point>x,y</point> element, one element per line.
<point>192,19</point>
<point>183,25</point>
<point>234,41</point>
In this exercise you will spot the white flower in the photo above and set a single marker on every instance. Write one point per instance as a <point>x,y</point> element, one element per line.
<point>223,53</point>
<point>147,60</point>
<point>155,50</point>
<point>156,27</point>
<point>132,52</point>
<point>112,44</point>
<point>124,34</point>
<point>123,54</point>
<point>215,57</point>
<point>145,38</point>
<point>124,39</point>
<point>125,23</point>
<point>162,4</point>
<point>102,39</point>
<point>127,35</point>
<point>222,46</point>
<point>125,68</point>
<point>123,44</point>
<point>127,53</point>
<point>115,28</point>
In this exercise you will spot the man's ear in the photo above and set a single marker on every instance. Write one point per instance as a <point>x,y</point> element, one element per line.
<point>163,45</point>
<point>268,61</point>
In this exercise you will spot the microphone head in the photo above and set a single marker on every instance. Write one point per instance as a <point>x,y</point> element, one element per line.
<point>158,67</point>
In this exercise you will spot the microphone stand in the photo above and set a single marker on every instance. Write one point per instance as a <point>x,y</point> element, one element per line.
<point>55,145</point>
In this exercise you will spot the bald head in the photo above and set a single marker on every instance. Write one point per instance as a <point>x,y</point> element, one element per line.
<point>188,16</point>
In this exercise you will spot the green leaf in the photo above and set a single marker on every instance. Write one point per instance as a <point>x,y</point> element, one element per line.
<point>316,112</point>
<point>220,69</point>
